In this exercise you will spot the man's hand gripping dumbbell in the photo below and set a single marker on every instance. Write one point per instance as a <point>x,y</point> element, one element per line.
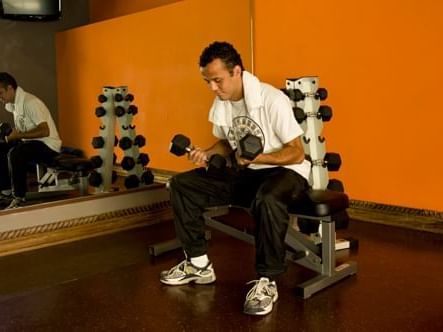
<point>181,145</point>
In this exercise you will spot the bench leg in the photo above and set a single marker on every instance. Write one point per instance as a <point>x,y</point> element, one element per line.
<point>329,274</point>
<point>83,184</point>
<point>161,247</point>
<point>312,286</point>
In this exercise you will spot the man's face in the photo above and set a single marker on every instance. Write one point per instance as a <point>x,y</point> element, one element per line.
<point>226,85</point>
<point>7,94</point>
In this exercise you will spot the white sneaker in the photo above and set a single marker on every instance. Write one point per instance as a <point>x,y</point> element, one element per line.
<point>5,197</point>
<point>16,202</point>
<point>261,298</point>
<point>186,272</point>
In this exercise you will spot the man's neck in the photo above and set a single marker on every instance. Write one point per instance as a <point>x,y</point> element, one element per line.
<point>239,95</point>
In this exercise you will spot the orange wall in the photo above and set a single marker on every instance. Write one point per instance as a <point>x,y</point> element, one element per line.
<point>100,10</point>
<point>381,62</point>
<point>155,53</point>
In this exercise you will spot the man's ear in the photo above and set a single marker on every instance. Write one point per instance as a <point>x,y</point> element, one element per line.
<point>237,70</point>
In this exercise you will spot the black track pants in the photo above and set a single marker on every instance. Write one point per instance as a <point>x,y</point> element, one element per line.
<point>14,163</point>
<point>266,192</point>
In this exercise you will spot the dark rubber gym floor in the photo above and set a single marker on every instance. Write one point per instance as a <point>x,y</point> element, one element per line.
<point>109,283</point>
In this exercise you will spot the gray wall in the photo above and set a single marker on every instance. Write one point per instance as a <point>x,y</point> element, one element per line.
<point>27,51</point>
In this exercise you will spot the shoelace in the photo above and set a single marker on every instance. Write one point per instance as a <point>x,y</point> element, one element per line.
<point>181,266</point>
<point>261,287</point>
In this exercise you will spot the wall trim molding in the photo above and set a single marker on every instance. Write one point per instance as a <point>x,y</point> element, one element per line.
<point>418,219</point>
<point>394,209</point>
<point>14,241</point>
<point>83,217</point>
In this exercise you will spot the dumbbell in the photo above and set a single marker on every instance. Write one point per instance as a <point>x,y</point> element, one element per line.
<point>331,160</point>
<point>181,144</point>
<point>143,159</point>
<point>298,95</point>
<point>324,113</point>
<point>100,111</point>
<point>129,163</point>
<point>102,99</point>
<point>125,143</point>
<point>5,130</point>
<point>98,142</point>
<point>119,111</point>
<point>132,181</point>
<point>95,179</point>
<point>321,94</point>
<point>96,161</point>
<point>250,146</point>
<point>147,177</point>
<point>140,141</point>
<point>336,185</point>
<point>132,109</point>
<point>118,97</point>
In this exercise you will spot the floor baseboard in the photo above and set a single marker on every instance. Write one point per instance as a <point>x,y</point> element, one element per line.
<point>418,219</point>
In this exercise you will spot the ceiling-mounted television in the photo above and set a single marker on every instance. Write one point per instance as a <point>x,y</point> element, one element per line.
<point>31,10</point>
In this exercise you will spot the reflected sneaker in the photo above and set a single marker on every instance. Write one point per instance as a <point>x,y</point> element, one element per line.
<point>185,272</point>
<point>16,202</point>
<point>4,197</point>
<point>261,298</point>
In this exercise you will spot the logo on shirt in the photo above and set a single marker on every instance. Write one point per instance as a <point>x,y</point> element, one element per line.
<point>241,126</point>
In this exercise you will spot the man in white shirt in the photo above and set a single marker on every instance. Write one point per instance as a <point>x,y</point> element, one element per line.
<point>265,184</point>
<point>33,139</point>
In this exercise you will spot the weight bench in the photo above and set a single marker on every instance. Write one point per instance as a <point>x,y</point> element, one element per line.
<point>67,171</point>
<point>314,205</point>
<point>317,205</point>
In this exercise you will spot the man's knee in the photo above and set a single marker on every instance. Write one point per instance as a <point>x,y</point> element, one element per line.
<point>176,182</point>
<point>191,179</point>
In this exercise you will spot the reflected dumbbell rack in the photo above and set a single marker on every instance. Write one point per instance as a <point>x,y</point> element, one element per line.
<point>116,110</point>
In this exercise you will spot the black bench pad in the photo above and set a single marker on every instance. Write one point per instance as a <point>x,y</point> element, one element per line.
<point>71,163</point>
<point>319,203</point>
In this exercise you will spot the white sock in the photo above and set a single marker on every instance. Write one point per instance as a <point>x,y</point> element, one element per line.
<point>7,192</point>
<point>200,261</point>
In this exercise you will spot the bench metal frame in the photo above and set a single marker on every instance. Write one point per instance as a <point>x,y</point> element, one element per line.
<point>303,250</point>
<point>50,179</point>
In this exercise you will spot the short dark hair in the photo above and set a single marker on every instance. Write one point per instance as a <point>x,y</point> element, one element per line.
<point>7,79</point>
<point>223,51</point>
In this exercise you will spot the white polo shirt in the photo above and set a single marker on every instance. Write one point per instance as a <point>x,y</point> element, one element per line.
<point>29,112</point>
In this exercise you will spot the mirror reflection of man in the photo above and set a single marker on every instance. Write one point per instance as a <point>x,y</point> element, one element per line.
<point>34,138</point>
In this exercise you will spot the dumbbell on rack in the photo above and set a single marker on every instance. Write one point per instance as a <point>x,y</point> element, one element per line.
<point>331,160</point>
<point>297,95</point>
<point>129,163</point>
<point>324,112</point>
<point>180,145</point>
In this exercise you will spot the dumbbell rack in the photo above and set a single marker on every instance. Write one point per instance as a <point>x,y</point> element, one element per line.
<point>304,94</point>
<point>306,97</point>
<point>116,108</point>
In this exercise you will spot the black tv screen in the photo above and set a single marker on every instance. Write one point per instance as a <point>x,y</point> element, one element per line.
<point>31,10</point>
